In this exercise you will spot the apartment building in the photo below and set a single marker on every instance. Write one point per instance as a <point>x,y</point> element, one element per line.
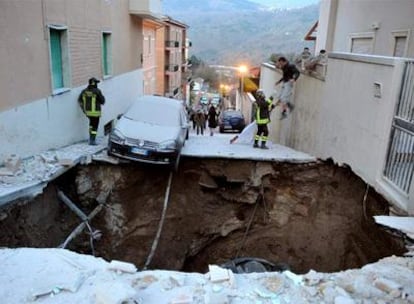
<point>49,50</point>
<point>368,27</point>
<point>172,59</point>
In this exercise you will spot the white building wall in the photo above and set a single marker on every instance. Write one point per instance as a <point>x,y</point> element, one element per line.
<point>326,25</point>
<point>381,19</point>
<point>57,121</point>
<point>340,118</point>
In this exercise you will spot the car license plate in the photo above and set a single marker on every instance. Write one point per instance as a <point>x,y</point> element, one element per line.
<point>227,127</point>
<point>139,151</point>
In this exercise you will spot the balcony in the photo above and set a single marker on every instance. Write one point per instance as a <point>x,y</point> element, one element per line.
<point>186,63</point>
<point>172,44</point>
<point>150,9</point>
<point>171,68</point>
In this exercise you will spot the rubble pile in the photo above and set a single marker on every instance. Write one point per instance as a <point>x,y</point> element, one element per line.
<point>61,276</point>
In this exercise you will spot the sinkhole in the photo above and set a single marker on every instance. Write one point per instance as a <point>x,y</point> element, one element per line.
<point>306,216</point>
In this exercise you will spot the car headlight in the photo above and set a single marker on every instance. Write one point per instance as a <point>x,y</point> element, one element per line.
<point>117,137</point>
<point>168,145</point>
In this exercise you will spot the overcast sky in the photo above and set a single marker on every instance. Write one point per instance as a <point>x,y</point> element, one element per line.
<point>286,3</point>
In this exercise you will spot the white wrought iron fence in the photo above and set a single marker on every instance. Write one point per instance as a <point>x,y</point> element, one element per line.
<point>400,159</point>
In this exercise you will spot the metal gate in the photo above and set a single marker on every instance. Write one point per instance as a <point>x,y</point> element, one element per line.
<point>400,158</point>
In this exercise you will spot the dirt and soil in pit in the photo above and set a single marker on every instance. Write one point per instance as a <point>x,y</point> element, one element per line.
<point>309,216</point>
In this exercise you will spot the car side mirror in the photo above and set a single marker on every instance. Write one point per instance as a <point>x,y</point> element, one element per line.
<point>119,116</point>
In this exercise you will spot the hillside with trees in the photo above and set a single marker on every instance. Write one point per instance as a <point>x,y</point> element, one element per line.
<point>231,32</point>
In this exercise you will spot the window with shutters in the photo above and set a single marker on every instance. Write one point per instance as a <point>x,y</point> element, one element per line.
<point>59,59</point>
<point>400,43</point>
<point>361,43</point>
<point>106,54</point>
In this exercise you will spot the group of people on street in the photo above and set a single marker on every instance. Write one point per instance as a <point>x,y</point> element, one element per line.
<point>202,117</point>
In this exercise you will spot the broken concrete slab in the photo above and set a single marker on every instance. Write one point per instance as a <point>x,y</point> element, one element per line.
<point>218,274</point>
<point>35,172</point>
<point>12,162</point>
<point>403,224</point>
<point>6,172</point>
<point>105,158</point>
<point>219,147</point>
<point>120,266</point>
<point>68,160</point>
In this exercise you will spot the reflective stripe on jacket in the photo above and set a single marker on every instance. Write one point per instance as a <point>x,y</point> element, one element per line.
<point>263,111</point>
<point>90,101</point>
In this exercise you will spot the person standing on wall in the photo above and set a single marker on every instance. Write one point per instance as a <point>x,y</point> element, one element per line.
<point>290,75</point>
<point>263,108</point>
<point>90,100</point>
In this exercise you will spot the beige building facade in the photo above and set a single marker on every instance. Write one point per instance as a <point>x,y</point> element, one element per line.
<point>150,56</point>
<point>50,49</point>
<point>376,27</point>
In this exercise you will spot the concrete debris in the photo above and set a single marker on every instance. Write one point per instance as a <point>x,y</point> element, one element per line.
<point>49,157</point>
<point>144,282</point>
<point>58,273</point>
<point>183,299</point>
<point>216,298</point>
<point>12,162</point>
<point>296,279</point>
<point>114,293</point>
<point>274,284</point>
<point>313,278</point>
<point>218,274</point>
<point>388,286</point>
<point>67,160</point>
<point>122,267</point>
<point>6,172</point>
<point>343,300</point>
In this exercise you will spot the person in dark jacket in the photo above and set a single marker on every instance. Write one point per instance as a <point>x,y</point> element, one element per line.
<point>212,119</point>
<point>90,100</point>
<point>290,75</point>
<point>263,108</point>
<point>199,117</point>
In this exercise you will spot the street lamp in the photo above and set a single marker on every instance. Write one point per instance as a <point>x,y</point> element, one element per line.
<point>243,71</point>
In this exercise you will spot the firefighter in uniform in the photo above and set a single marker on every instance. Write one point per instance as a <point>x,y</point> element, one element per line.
<point>263,108</point>
<point>91,100</point>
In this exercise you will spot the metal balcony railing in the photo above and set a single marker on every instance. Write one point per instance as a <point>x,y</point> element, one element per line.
<point>172,43</point>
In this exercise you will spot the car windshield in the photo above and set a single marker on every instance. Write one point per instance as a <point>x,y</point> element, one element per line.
<point>154,113</point>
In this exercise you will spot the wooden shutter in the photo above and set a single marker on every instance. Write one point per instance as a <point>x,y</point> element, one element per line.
<point>56,58</point>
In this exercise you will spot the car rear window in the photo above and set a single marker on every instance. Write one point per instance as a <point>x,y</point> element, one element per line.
<point>232,114</point>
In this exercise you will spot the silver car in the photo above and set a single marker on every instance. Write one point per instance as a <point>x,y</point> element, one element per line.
<point>153,130</point>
